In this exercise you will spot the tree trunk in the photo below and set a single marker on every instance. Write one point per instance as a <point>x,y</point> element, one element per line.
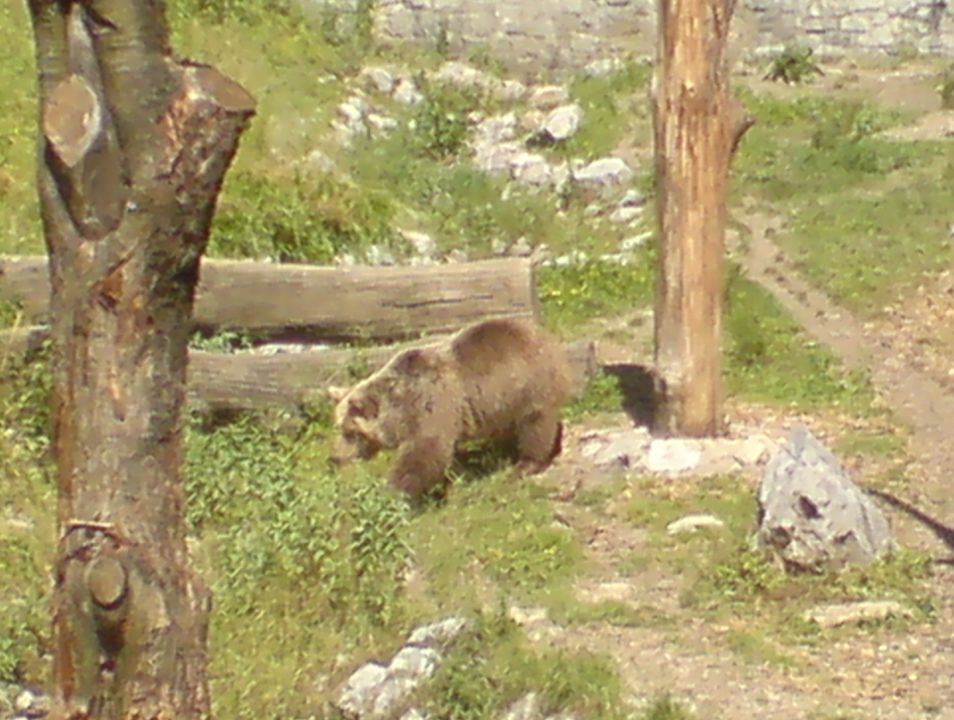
<point>697,127</point>
<point>133,149</point>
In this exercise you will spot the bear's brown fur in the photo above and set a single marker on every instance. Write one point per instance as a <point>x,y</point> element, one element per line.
<point>498,379</point>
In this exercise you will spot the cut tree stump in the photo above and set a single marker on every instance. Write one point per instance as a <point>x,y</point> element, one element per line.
<point>327,303</point>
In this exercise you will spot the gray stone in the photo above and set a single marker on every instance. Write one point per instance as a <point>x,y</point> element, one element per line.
<point>496,129</point>
<point>406,92</point>
<point>691,523</point>
<point>379,78</point>
<point>379,255</point>
<point>531,169</point>
<point>526,708</point>
<point>439,634</point>
<point>603,172</point>
<point>563,122</point>
<point>672,456</point>
<point>414,662</point>
<point>393,693</point>
<point>414,714</point>
<point>604,66</point>
<point>521,248</point>
<point>615,448</point>
<point>532,121</point>
<point>383,123</point>
<point>510,91</point>
<point>632,198</point>
<point>548,96</point>
<point>634,242</point>
<point>828,616</point>
<point>626,214</point>
<point>462,75</point>
<point>359,695</point>
<point>422,243</point>
<point>496,158</point>
<point>812,515</point>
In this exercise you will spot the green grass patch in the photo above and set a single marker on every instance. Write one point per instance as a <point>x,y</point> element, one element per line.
<point>868,215</point>
<point>493,666</point>
<point>577,293</point>
<point>612,104</point>
<point>769,358</point>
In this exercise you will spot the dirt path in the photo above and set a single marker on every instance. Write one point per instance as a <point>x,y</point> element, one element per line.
<point>905,675</point>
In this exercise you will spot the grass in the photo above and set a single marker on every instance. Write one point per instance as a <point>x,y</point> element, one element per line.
<point>316,570</point>
<point>849,195</point>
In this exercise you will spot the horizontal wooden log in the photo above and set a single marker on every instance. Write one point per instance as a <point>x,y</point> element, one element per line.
<point>312,302</point>
<point>252,381</point>
<point>237,381</point>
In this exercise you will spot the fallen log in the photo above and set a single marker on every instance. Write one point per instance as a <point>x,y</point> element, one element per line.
<point>221,381</point>
<point>326,303</point>
<point>237,381</point>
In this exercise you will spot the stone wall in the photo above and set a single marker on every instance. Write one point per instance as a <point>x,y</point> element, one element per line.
<point>544,35</point>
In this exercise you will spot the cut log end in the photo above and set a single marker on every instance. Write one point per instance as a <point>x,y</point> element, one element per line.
<point>106,582</point>
<point>72,120</point>
<point>219,89</point>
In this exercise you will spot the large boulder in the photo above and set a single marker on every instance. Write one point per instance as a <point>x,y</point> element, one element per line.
<point>811,515</point>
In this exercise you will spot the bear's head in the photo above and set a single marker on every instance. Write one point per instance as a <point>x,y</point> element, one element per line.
<point>380,411</point>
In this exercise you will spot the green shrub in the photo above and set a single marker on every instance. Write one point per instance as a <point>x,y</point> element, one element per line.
<point>440,122</point>
<point>298,220</point>
<point>946,88</point>
<point>793,65</point>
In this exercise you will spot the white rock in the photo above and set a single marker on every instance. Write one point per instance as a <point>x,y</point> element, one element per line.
<point>691,523</point>
<point>353,109</point>
<point>619,448</point>
<point>496,129</point>
<point>829,616</point>
<point>462,75</point>
<point>406,92</point>
<point>548,96</point>
<point>605,171</point>
<point>392,694</point>
<point>563,122</point>
<point>527,616</point>
<point>24,701</point>
<point>423,244</point>
<point>379,255</point>
<point>382,122</point>
<point>635,242</point>
<point>669,456</point>
<point>318,161</point>
<point>532,121</point>
<point>510,90</point>
<point>496,158</point>
<point>414,662</point>
<point>379,78</point>
<point>530,169</point>
<point>360,692</point>
<point>439,634</point>
<point>521,248</point>
<point>633,198</point>
<point>606,66</point>
<point>526,708</point>
<point>623,215</point>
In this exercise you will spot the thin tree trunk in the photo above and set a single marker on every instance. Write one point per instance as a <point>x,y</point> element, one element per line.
<point>697,127</point>
<point>133,149</point>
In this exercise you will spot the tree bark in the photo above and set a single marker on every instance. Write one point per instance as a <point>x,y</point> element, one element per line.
<point>327,303</point>
<point>134,145</point>
<point>697,127</point>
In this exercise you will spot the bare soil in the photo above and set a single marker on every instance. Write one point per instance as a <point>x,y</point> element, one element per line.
<point>898,674</point>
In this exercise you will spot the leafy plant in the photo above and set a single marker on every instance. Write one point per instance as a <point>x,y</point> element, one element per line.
<point>793,65</point>
<point>946,88</point>
<point>440,123</point>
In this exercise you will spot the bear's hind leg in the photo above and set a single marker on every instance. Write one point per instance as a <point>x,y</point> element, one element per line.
<point>539,439</point>
<point>421,466</point>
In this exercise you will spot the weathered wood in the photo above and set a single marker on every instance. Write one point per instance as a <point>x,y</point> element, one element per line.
<point>306,301</point>
<point>254,381</point>
<point>133,148</point>
<point>697,127</point>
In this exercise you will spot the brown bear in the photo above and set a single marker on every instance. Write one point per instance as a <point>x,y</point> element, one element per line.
<point>502,379</point>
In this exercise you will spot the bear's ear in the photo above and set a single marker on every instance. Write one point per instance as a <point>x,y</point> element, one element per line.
<point>363,407</point>
<point>413,361</point>
<point>337,394</point>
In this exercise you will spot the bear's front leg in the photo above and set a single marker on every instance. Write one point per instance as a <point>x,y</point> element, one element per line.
<point>421,465</point>
<point>539,440</point>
